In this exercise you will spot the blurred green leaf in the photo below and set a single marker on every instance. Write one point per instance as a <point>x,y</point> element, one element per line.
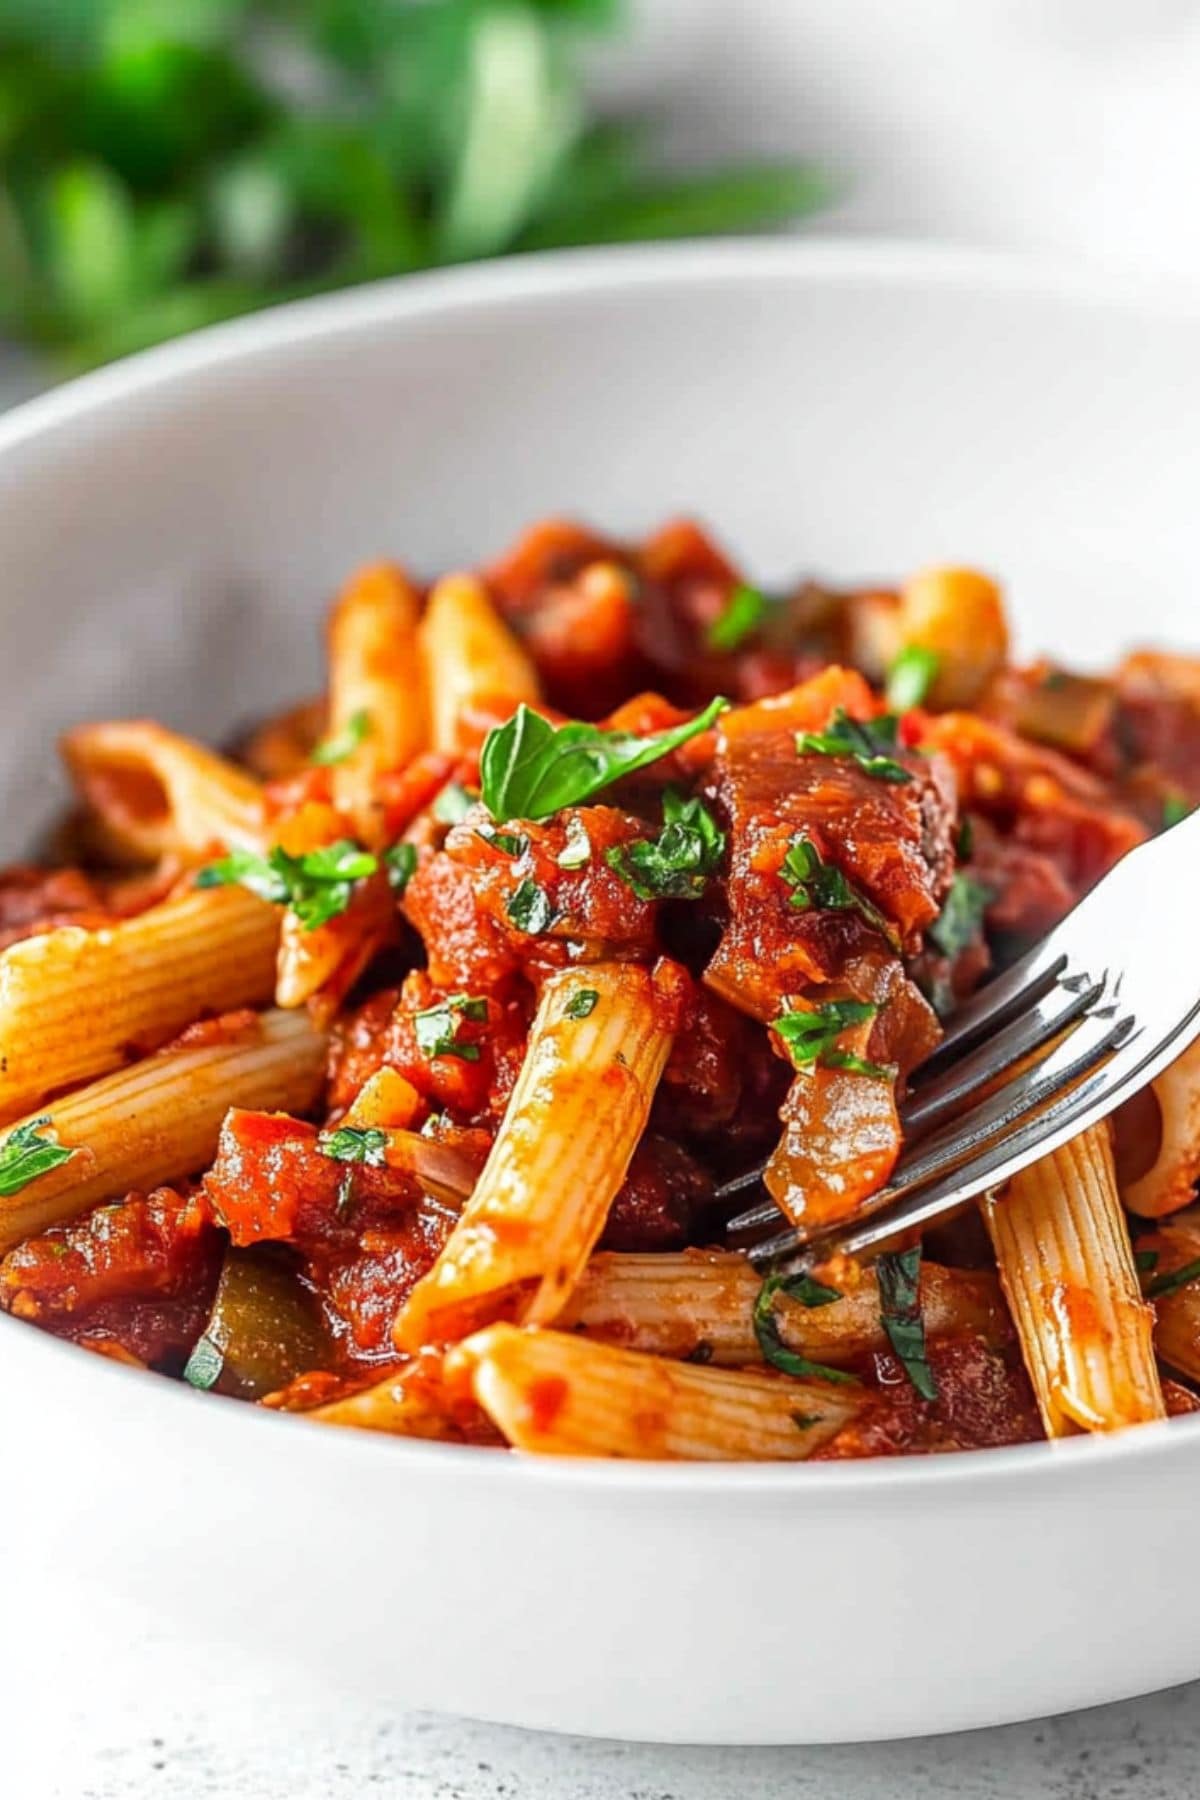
<point>168,163</point>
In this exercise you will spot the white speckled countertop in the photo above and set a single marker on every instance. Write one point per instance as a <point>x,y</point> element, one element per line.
<point>105,1706</point>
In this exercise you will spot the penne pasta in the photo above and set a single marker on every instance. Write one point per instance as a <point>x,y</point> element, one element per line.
<point>469,654</point>
<point>1170,1181</point>
<point>159,1120</point>
<point>411,1401</point>
<point>1067,1268</point>
<point>153,793</point>
<point>329,959</point>
<point>571,1125</point>
<point>75,1004</point>
<point>560,1395</point>
<point>701,1302</point>
<point>377,703</point>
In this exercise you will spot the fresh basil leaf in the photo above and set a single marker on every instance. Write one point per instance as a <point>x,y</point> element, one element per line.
<point>739,618</point>
<point>960,922</point>
<point>453,802</point>
<point>581,1005</point>
<point>816,884</point>
<point>400,863</point>
<point>865,742</point>
<point>810,1037</point>
<point>510,843</point>
<point>899,1274</point>
<point>910,677</point>
<point>677,863</point>
<point>343,744</point>
<point>316,886</point>
<point>530,909</point>
<point>577,851</point>
<point>24,1156</point>
<point>776,1352</point>
<point>530,769</point>
<point>437,1027</point>
<point>1172,1279</point>
<point>203,1367</point>
<point>355,1144</point>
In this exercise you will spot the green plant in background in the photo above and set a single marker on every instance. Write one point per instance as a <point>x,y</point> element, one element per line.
<point>167,163</point>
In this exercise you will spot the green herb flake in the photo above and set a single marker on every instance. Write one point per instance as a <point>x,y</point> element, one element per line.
<point>818,884</point>
<point>675,865</point>
<point>960,922</point>
<point>739,618</point>
<point>810,1038</point>
<point>400,863</point>
<point>354,1144</point>
<point>316,886</point>
<point>453,802</point>
<point>899,1275</point>
<point>700,1352</point>
<point>805,1421</point>
<point>581,1005</point>
<point>1173,1279</point>
<point>530,769</point>
<point>1174,810</point>
<point>24,1156</point>
<point>530,909</point>
<point>776,1352</point>
<point>437,1027</point>
<point>911,677</point>
<point>203,1367</point>
<point>509,843</point>
<point>866,742</point>
<point>342,745</point>
<point>577,851</point>
<point>1145,1261</point>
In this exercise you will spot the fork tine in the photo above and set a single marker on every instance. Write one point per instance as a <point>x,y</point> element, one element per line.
<point>959,1160</point>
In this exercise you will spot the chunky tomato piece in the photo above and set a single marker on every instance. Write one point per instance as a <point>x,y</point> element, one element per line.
<point>984,1400</point>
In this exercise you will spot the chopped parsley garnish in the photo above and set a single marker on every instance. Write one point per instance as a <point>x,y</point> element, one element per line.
<point>811,1037</point>
<point>776,1352</point>
<point>960,921</point>
<point>677,863</point>
<point>1145,1261</point>
<point>509,843</point>
<point>437,1027</point>
<point>453,802</point>
<point>355,1144</point>
<point>739,618</point>
<point>1172,1279</point>
<point>910,677</point>
<point>344,743</point>
<point>816,884</point>
<point>1174,809</point>
<point>400,862</point>
<point>964,843</point>
<point>203,1367</point>
<point>530,769</point>
<point>865,741</point>
<point>530,908</point>
<point>899,1274</point>
<point>578,848</point>
<point>316,886</point>
<point>24,1156</point>
<point>581,1005</point>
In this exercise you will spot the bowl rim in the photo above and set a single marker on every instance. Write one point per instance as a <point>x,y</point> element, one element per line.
<point>562,275</point>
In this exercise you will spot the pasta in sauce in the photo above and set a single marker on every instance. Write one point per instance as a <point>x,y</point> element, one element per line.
<point>383,1070</point>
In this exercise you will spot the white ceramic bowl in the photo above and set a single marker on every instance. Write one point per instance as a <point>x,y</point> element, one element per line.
<point>171,530</point>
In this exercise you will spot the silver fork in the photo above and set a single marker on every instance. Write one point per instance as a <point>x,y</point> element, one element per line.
<point>1102,1004</point>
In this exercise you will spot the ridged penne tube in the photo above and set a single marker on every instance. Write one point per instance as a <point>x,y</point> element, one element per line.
<point>469,654</point>
<point>159,1119</point>
<point>376,689</point>
<point>564,1396</point>
<point>572,1123</point>
<point>1171,1180</point>
<point>74,1002</point>
<point>329,959</point>
<point>678,1303</point>
<point>1067,1268</point>
<point>411,1401</point>
<point>155,794</point>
